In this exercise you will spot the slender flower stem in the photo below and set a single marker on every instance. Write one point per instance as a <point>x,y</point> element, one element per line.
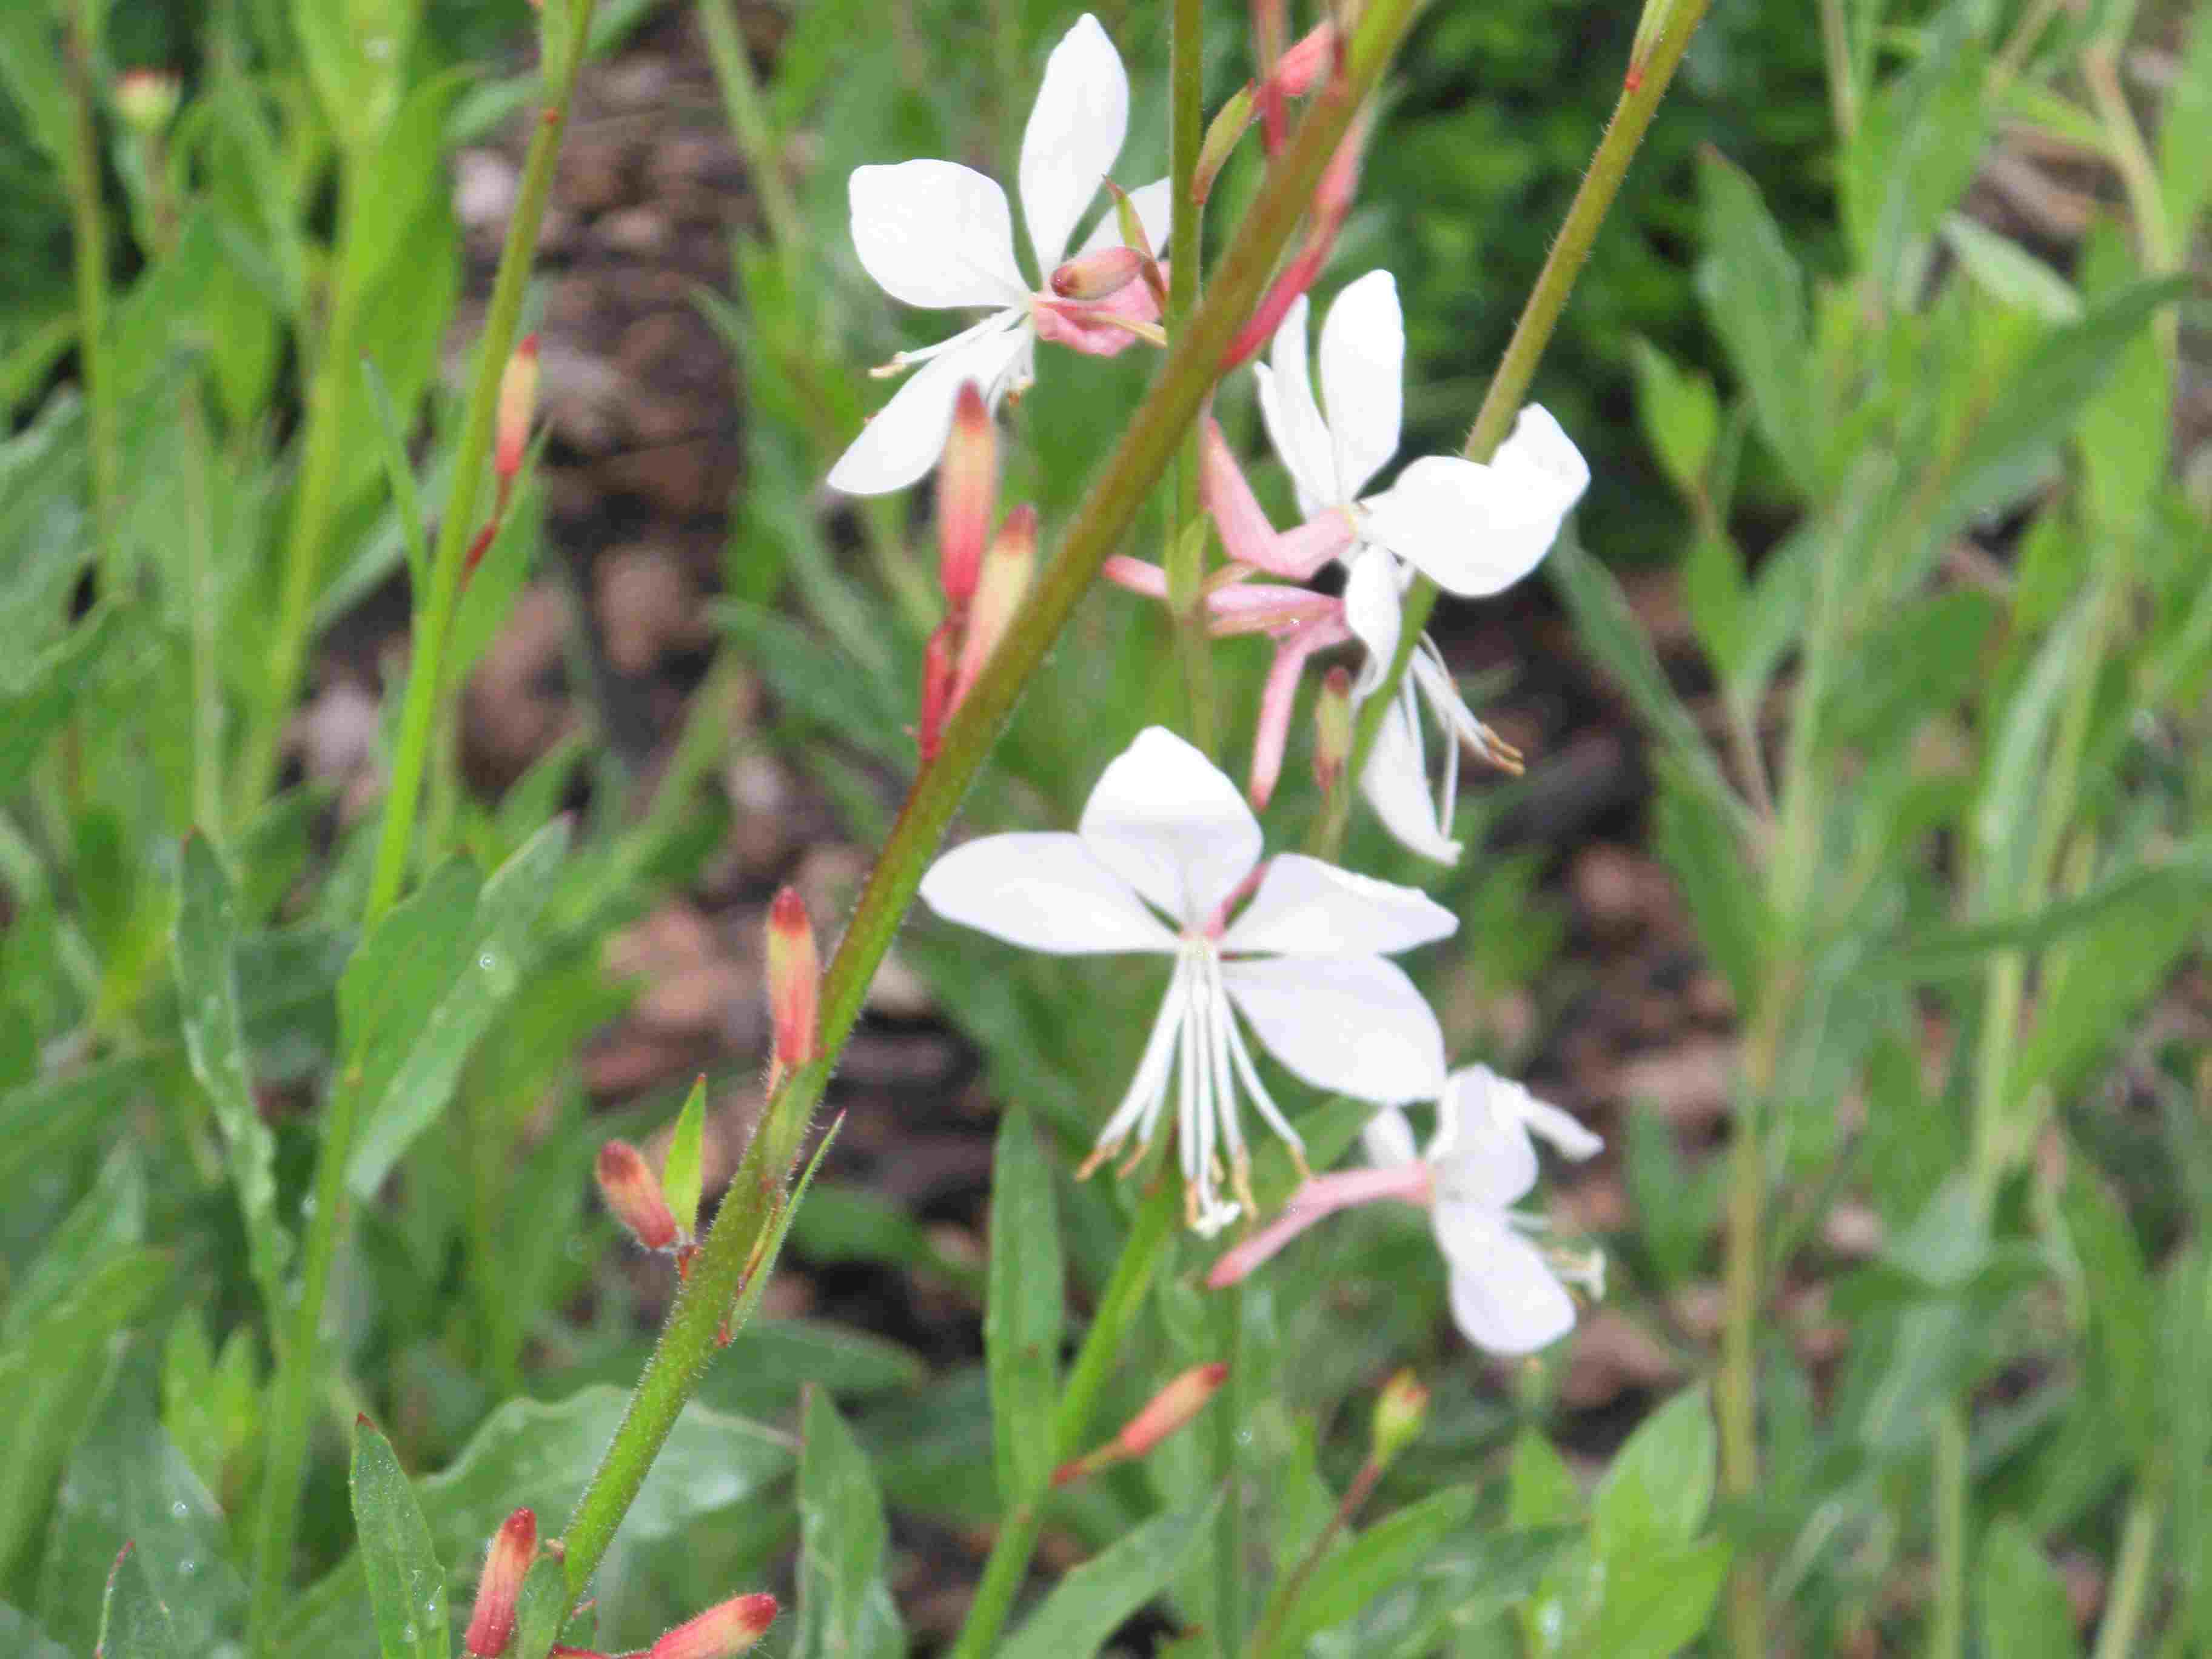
<point>1608,169</point>
<point>1286,1594</point>
<point>1185,552</point>
<point>89,226</point>
<point>749,122</point>
<point>1842,84</point>
<point>1230,1414</point>
<point>2131,1580</point>
<point>1109,507</point>
<point>293,1390</point>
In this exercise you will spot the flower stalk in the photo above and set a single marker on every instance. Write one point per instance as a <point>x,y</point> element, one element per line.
<point>1183,554</point>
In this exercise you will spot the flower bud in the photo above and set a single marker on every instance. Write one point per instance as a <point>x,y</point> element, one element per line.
<point>147,99</point>
<point>966,494</point>
<point>939,673</point>
<point>1167,1411</point>
<point>1320,48</point>
<point>518,404</point>
<point>1007,567</point>
<point>491,1628</point>
<point>1096,274</point>
<point>631,1192</point>
<point>1333,728</point>
<point>793,981</point>
<point>479,544</point>
<point>1401,1411</point>
<point>719,1632</point>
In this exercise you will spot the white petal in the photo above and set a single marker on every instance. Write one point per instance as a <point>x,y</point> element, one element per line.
<point>1362,359</point>
<point>1354,1025</point>
<point>1481,1153</point>
<point>1387,1138</point>
<point>1044,891</point>
<point>1476,530</point>
<point>1305,908</point>
<point>1503,1297</point>
<point>1155,205</point>
<point>935,233</point>
<point>1164,819</point>
<point>907,434</point>
<point>1564,1132</point>
<point>1075,131</point>
<point>1395,785</point>
<point>1293,419</point>
<point>1371,610</point>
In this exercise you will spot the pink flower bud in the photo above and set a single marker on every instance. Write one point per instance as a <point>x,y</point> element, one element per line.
<point>939,673</point>
<point>793,980</point>
<point>719,1632</point>
<point>518,404</point>
<point>1320,48</point>
<point>1007,567</point>
<point>1095,275</point>
<point>479,545</point>
<point>1169,1409</point>
<point>491,1628</point>
<point>633,1194</point>
<point>1333,728</point>
<point>967,493</point>
<point>1401,1410</point>
<point>147,99</point>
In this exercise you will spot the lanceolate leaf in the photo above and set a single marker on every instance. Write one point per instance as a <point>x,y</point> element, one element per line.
<point>1022,1318</point>
<point>133,1622</point>
<point>679,1177</point>
<point>845,1609</point>
<point>1096,1598</point>
<point>406,1585</point>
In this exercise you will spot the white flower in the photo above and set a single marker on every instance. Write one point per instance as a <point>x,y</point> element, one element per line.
<point>939,234</point>
<point>1506,1294</point>
<point>1165,847</point>
<point>1474,529</point>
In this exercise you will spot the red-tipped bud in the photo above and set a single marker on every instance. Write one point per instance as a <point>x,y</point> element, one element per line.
<point>491,1628</point>
<point>1230,124</point>
<point>1333,728</point>
<point>967,495</point>
<point>1096,274</point>
<point>477,548</point>
<point>720,1632</point>
<point>1007,568</point>
<point>147,99</point>
<point>1168,1410</point>
<point>1401,1410</point>
<point>518,404</point>
<point>633,1194</point>
<point>939,673</point>
<point>793,980</point>
<point>1318,51</point>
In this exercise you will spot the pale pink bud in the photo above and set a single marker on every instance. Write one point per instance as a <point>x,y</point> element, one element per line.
<point>1168,1410</point>
<point>147,99</point>
<point>633,1193</point>
<point>794,978</point>
<point>1007,567</point>
<point>518,404</point>
<point>1401,1411</point>
<point>1320,48</point>
<point>720,1632</point>
<point>491,1628</point>
<point>966,494</point>
<point>1333,728</point>
<point>1095,275</point>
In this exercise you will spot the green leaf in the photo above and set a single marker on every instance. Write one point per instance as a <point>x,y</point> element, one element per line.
<point>406,500</point>
<point>1755,296</point>
<point>56,683</point>
<point>1656,1493</point>
<point>844,1606</point>
<point>1540,1489</point>
<point>1096,1599</point>
<point>41,1118</point>
<point>768,1362</point>
<point>205,958</point>
<point>2008,273</point>
<point>680,1175</point>
<point>31,70</point>
<point>2185,137</point>
<point>1719,880</point>
<point>1681,414</point>
<point>425,985</point>
<point>1656,1599</point>
<point>406,1585</point>
<point>1382,1555</point>
<point>846,1224</point>
<point>22,1639</point>
<point>1024,1314</point>
<point>2019,1600</point>
<point>2122,1305</point>
<point>539,1454</point>
<point>1717,594</point>
<point>133,1622</point>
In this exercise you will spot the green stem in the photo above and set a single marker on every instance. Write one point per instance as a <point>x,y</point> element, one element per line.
<point>1008,1565</point>
<point>1843,82</point>
<point>292,1394</point>
<point>2123,1611</point>
<point>749,123</point>
<point>1286,1594</point>
<point>1110,506</point>
<point>1946,1627</point>
<point>88,228</point>
<point>1231,1416</point>
<point>1185,553</point>
<point>1608,169</point>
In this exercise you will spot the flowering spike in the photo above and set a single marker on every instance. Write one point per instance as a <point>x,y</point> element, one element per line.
<point>1333,728</point>
<point>1169,1409</point>
<point>793,981</point>
<point>147,99</point>
<point>1401,1410</point>
<point>518,404</point>
<point>1007,567</point>
<point>491,1628</point>
<point>631,1192</point>
<point>720,1632</point>
<point>1096,275</point>
<point>967,491</point>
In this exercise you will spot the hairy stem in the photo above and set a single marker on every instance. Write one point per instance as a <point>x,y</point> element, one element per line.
<point>1608,168</point>
<point>1109,507</point>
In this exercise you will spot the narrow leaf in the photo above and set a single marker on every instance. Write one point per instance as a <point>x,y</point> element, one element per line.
<point>133,1622</point>
<point>845,1607</point>
<point>1096,1599</point>
<point>1023,1317</point>
<point>406,1585</point>
<point>1656,1490</point>
<point>680,1176</point>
